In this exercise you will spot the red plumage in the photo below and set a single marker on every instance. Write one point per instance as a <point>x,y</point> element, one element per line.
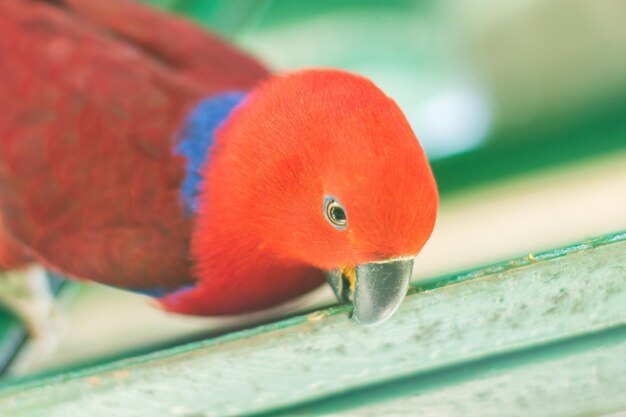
<point>297,139</point>
<point>94,94</point>
<point>12,253</point>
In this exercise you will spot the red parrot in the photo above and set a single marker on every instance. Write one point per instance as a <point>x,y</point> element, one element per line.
<point>142,152</point>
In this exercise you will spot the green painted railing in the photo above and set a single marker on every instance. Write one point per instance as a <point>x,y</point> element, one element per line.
<point>543,335</point>
<point>540,335</point>
<point>597,131</point>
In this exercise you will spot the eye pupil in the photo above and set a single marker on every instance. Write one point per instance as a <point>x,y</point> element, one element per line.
<point>335,213</point>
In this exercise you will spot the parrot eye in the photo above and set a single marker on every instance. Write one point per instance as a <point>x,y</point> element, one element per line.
<point>335,213</point>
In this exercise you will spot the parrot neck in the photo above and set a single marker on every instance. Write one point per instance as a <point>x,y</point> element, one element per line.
<point>197,136</point>
<point>193,143</point>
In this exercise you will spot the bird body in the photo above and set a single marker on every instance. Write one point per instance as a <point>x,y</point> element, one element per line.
<point>139,151</point>
<point>88,123</point>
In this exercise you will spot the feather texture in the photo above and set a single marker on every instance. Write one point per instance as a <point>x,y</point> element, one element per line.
<point>103,149</point>
<point>12,253</point>
<point>92,96</point>
<point>261,236</point>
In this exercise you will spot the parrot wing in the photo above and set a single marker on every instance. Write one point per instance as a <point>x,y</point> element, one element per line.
<point>178,43</point>
<point>12,253</point>
<point>91,103</point>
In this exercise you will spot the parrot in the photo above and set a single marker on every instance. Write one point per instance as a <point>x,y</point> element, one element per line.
<point>140,151</point>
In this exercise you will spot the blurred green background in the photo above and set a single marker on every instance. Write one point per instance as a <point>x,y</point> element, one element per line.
<point>529,83</point>
<point>520,105</point>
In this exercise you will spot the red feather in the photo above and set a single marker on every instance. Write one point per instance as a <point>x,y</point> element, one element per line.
<point>12,253</point>
<point>92,95</point>
<point>261,236</point>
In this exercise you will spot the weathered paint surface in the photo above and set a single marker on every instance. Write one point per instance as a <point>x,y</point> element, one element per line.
<point>558,322</point>
<point>577,378</point>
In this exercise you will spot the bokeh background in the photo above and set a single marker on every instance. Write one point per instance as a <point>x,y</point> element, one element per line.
<point>520,105</point>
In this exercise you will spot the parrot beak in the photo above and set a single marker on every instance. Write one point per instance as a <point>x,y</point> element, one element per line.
<point>375,289</point>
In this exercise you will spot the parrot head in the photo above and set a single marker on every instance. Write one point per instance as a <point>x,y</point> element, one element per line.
<point>320,171</point>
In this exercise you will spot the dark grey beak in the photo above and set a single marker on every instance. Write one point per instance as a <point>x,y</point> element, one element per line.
<point>378,290</point>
